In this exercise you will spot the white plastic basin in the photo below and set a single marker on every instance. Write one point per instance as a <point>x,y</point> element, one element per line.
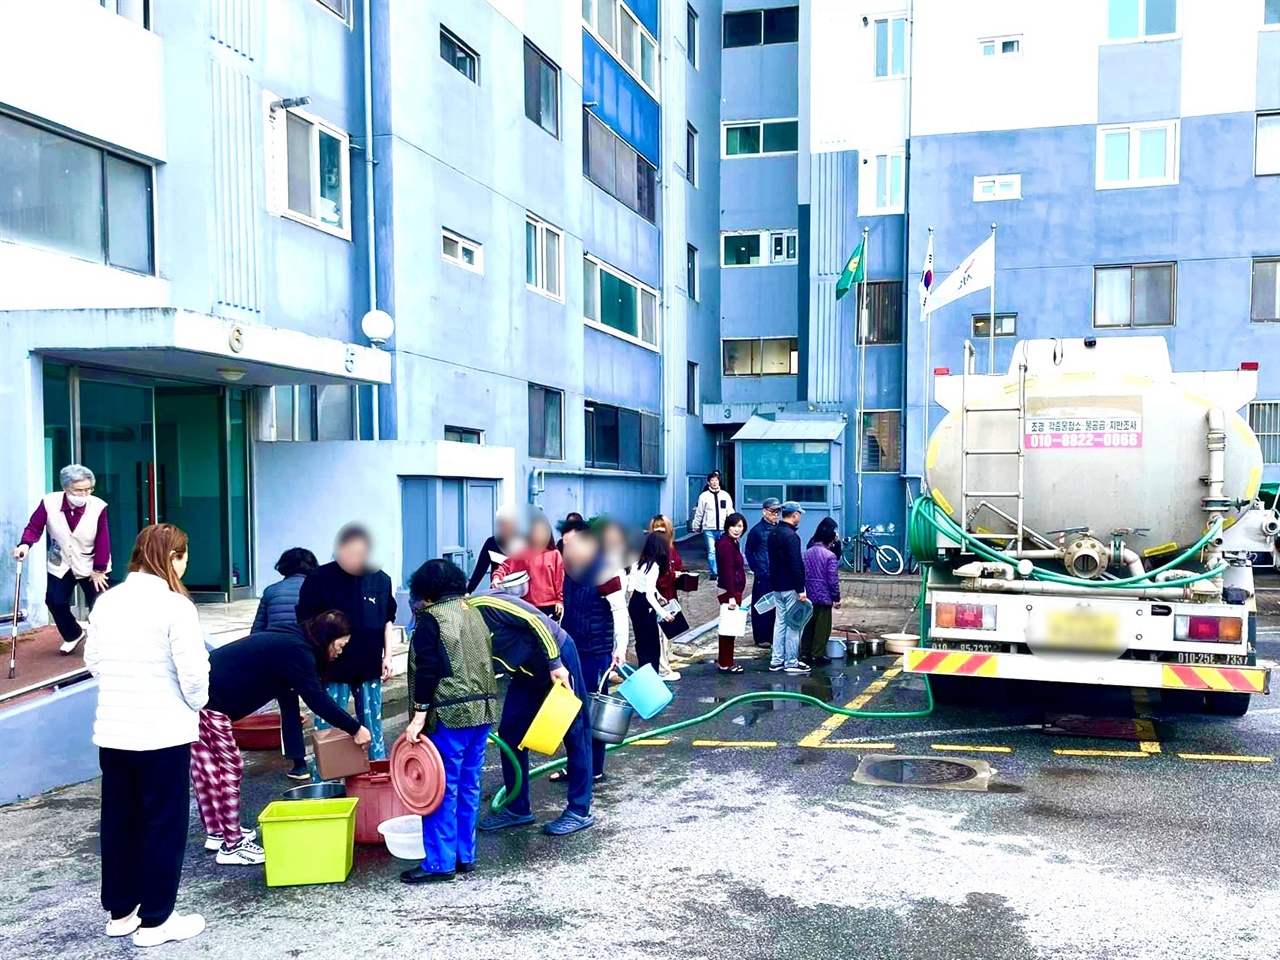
<point>403,837</point>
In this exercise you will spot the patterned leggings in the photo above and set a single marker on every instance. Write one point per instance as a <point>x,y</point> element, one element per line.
<point>216,769</point>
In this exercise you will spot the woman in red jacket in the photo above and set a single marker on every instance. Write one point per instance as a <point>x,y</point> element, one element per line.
<point>545,566</point>
<point>732,581</point>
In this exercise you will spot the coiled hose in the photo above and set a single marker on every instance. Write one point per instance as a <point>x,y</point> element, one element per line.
<point>503,797</point>
<point>926,521</point>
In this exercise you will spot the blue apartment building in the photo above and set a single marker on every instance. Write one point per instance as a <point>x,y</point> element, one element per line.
<point>607,234</point>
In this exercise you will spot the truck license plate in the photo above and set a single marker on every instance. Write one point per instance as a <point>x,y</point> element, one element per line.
<point>1215,659</point>
<point>1084,631</point>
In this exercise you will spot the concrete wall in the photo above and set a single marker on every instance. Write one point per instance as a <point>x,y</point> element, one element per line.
<point>48,742</point>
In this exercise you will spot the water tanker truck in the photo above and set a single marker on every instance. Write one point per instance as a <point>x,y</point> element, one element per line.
<point>1090,517</point>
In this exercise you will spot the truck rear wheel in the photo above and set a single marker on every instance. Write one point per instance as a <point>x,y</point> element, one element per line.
<point>1227,704</point>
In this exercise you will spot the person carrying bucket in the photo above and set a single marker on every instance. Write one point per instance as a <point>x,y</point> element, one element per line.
<point>536,652</point>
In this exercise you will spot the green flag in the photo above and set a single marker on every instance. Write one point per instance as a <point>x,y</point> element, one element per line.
<point>853,272</point>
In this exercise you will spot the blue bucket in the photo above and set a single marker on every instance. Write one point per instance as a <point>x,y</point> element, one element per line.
<point>644,690</point>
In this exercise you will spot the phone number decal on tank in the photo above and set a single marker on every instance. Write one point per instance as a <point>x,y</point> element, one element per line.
<point>1071,433</point>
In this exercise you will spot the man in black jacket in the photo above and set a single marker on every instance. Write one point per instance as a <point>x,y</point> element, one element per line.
<point>757,552</point>
<point>786,573</point>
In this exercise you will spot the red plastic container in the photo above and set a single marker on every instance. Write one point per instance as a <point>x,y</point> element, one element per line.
<point>378,800</point>
<point>258,731</point>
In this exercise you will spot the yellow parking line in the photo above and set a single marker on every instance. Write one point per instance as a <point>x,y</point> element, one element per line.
<point>1145,728</point>
<point>970,748</point>
<point>1105,753</point>
<point>851,745</point>
<point>735,743</point>
<point>1225,757</point>
<point>656,742</point>
<point>836,720</point>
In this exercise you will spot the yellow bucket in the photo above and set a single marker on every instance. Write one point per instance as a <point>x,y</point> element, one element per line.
<point>552,722</point>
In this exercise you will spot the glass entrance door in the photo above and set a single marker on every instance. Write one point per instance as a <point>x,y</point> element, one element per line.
<point>117,443</point>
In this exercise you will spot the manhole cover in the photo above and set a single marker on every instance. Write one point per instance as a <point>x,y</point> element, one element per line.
<point>916,773</point>
<point>1109,728</point>
<point>928,773</point>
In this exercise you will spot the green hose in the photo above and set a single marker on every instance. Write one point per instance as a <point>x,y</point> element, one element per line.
<point>926,521</point>
<point>502,798</point>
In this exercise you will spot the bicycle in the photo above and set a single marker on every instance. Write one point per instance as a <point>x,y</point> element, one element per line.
<point>887,558</point>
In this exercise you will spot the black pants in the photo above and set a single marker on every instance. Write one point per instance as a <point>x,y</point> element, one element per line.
<point>761,624</point>
<point>594,667</point>
<point>645,624</point>
<point>145,798</point>
<point>58,595</point>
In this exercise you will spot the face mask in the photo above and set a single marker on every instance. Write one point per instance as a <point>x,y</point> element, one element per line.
<point>76,501</point>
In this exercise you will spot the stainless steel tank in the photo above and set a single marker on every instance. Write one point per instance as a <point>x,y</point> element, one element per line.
<point>1113,441</point>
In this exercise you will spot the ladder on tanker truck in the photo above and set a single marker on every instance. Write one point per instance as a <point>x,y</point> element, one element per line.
<point>971,501</point>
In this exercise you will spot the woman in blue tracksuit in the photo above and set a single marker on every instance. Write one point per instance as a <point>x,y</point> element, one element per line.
<point>532,648</point>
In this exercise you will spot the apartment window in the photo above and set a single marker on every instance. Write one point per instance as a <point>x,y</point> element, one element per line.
<point>884,312</point>
<point>314,413</point>
<point>617,438</point>
<point>546,423</point>
<point>1265,300</point>
<point>137,11</point>
<point>1141,295</point>
<point>463,435</point>
<point>459,250</point>
<point>74,199</point>
<point>339,8</point>
<point>459,56</point>
<point>761,357</point>
<point>541,90</point>
<point>758,137</point>
<point>1001,46</point>
<point>691,154</point>
<point>1006,186</point>
<point>1264,420</point>
<point>891,47</point>
<point>1138,154</point>
<point>335,412</point>
<point>615,167</point>
<point>316,174</point>
<point>1006,324</point>
<point>691,271</point>
<point>692,390</point>
<point>881,441</point>
<point>1271,12</point>
<point>543,257</point>
<point>625,36</point>
<point>1266,147</point>
<point>691,36</point>
<point>744,249</point>
<point>750,28</point>
<point>614,301</point>
<point>889,195</point>
<point>782,246</point>
<point>1141,19</point>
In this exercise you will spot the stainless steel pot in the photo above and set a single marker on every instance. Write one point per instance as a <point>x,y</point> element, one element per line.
<point>325,790</point>
<point>855,648</point>
<point>610,716</point>
<point>875,647</point>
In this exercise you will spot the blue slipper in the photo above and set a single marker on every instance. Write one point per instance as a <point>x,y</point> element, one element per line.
<point>504,819</point>
<point>567,823</point>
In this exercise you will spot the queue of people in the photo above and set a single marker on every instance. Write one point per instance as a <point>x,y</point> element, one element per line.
<point>323,636</point>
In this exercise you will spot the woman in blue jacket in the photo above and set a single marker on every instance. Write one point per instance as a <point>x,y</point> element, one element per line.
<point>277,608</point>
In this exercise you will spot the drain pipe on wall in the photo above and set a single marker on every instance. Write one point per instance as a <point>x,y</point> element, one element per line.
<point>368,195</point>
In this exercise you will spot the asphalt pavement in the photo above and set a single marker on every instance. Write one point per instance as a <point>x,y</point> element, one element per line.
<point>1150,835</point>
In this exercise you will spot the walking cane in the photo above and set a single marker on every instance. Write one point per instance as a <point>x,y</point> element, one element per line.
<point>13,636</point>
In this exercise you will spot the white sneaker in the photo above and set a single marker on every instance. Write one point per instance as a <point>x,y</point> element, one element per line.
<point>671,676</point>
<point>68,647</point>
<point>213,841</point>
<point>177,927</point>
<point>125,925</point>
<point>243,854</point>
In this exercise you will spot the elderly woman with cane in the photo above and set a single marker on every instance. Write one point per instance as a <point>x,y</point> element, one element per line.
<point>79,548</point>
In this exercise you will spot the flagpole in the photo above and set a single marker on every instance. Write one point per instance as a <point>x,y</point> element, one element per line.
<point>862,375</point>
<point>991,331</point>
<point>928,371</point>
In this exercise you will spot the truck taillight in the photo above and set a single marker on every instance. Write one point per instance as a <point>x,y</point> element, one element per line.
<point>966,616</point>
<point>1208,629</point>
